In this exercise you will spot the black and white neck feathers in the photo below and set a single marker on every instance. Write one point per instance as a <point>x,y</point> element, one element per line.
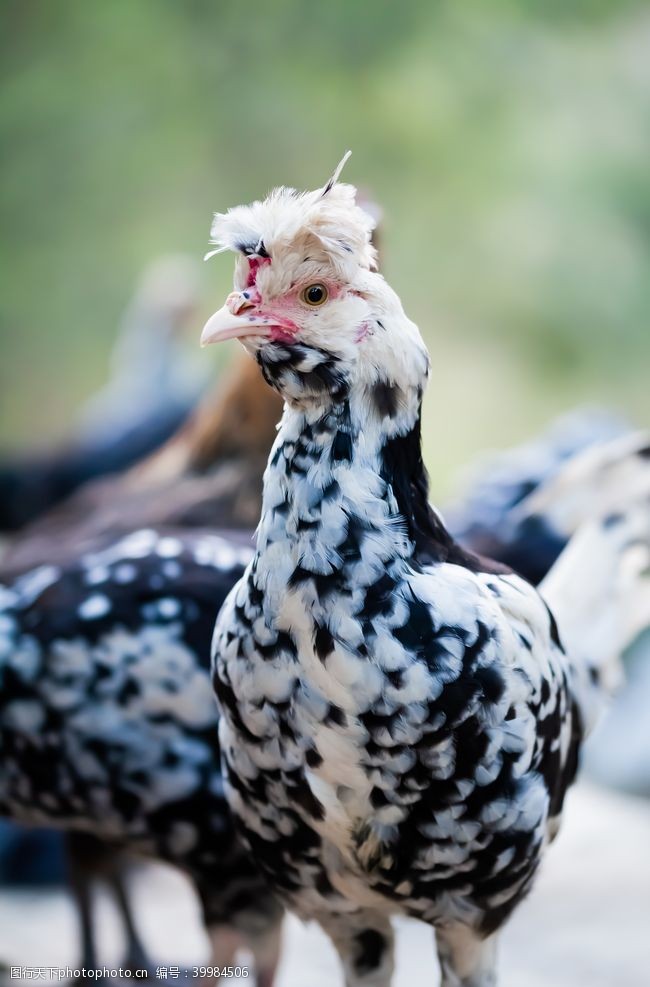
<point>356,445</point>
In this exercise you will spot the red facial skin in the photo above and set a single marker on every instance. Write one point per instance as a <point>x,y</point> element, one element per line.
<point>282,328</point>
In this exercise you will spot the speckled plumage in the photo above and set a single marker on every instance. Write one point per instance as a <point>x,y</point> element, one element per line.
<point>400,720</point>
<point>107,722</point>
<point>410,722</point>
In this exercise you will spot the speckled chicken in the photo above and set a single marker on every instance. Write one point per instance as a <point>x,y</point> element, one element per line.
<point>498,511</point>
<point>401,718</point>
<point>108,725</point>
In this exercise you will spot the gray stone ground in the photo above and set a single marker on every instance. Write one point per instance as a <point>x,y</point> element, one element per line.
<point>586,923</point>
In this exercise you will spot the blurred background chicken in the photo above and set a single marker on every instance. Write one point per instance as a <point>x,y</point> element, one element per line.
<point>108,729</point>
<point>492,512</point>
<point>209,475</point>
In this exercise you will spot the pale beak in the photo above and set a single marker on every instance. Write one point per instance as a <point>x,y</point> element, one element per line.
<point>234,321</point>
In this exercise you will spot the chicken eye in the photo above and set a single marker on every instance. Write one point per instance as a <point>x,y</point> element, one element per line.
<point>315,294</point>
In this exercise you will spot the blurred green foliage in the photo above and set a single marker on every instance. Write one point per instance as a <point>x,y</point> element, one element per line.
<point>508,143</point>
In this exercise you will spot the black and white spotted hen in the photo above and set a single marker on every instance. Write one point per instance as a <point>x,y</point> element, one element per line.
<point>400,719</point>
<point>108,725</point>
<point>498,511</point>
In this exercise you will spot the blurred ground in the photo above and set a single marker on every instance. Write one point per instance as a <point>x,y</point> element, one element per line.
<point>585,925</point>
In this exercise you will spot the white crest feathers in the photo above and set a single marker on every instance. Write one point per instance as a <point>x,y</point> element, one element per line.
<point>326,221</point>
